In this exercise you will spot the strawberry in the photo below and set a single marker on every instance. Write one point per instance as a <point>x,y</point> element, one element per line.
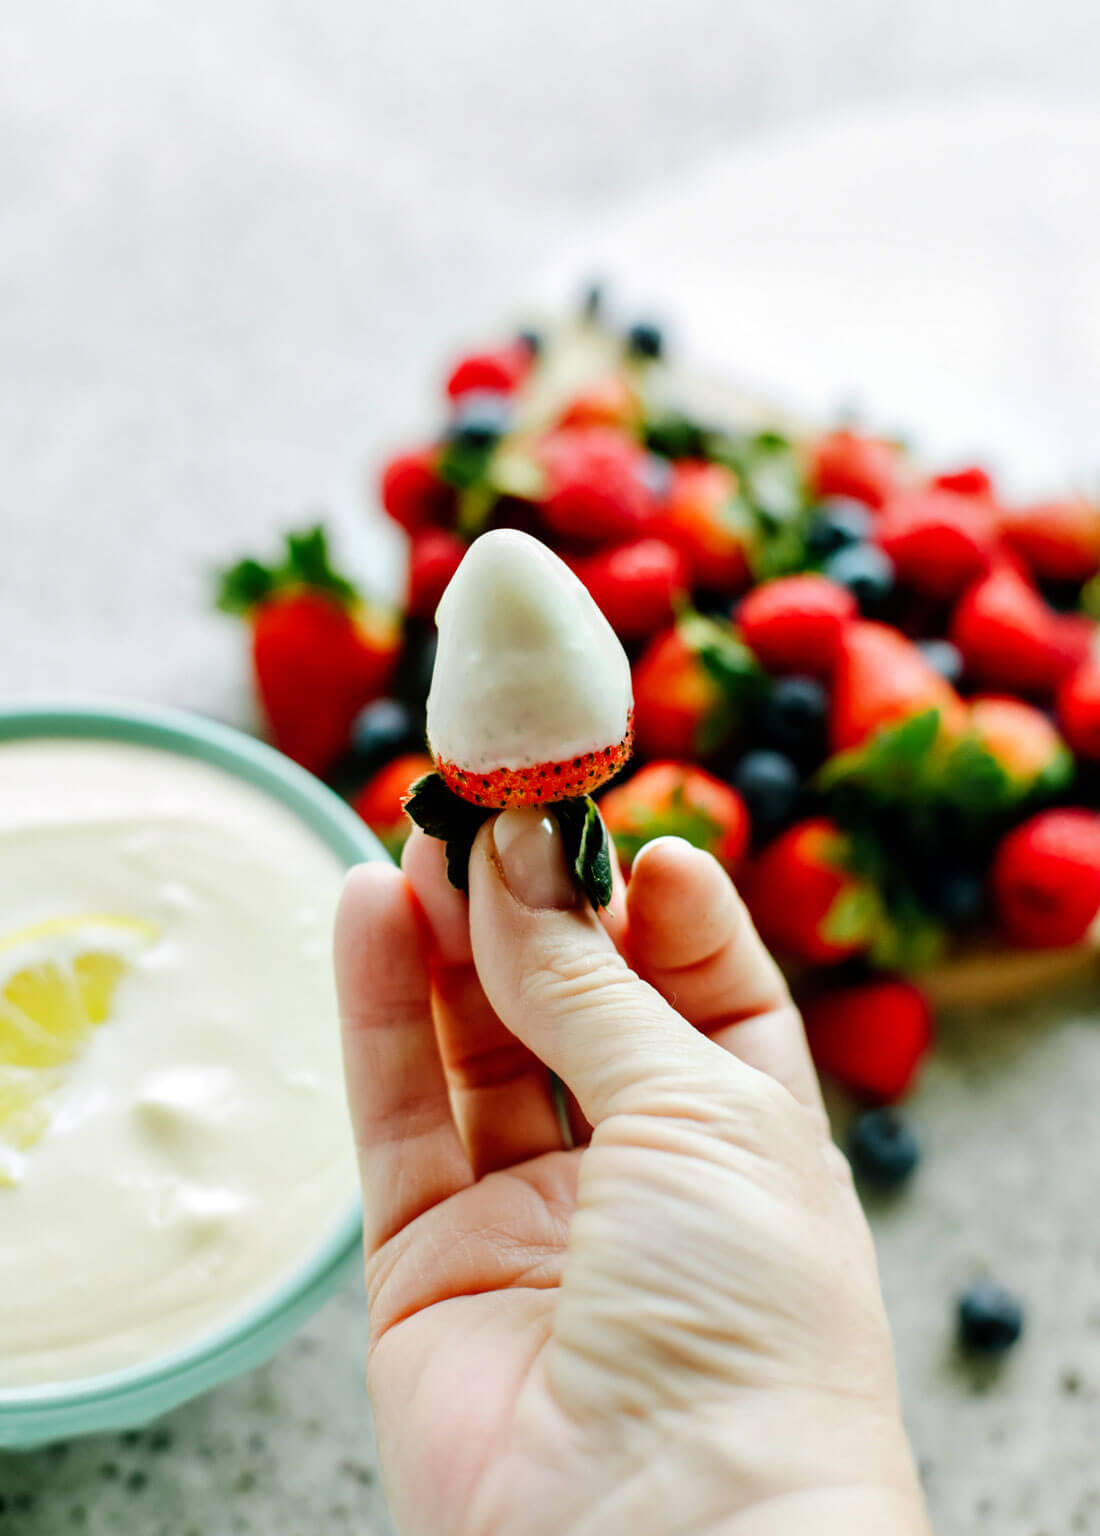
<point>381,801</point>
<point>318,652</point>
<point>530,699</point>
<point>636,585</point>
<point>499,372</point>
<point>413,493</point>
<point>794,624</point>
<point>1046,879</point>
<point>596,485</point>
<point>1058,540</point>
<point>1009,637</point>
<point>970,481</point>
<point>686,687</point>
<point>1022,740</point>
<point>804,900</point>
<point>845,464</point>
<point>871,1037</point>
<point>434,557</point>
<point>938,540</point>
<point>881,678</point>
<point>609,402</point>
<point>701,517</point>
<point>680,800</point>
<point>1079,709</point>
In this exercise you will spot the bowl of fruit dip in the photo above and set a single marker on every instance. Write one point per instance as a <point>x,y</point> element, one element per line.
<point>177,1177</point>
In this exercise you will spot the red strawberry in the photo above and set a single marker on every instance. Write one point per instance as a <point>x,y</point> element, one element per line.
<point>1022,740</point>
<point>1079,709</point>
<point>319,654</point>
<point>1009,637</point>
<point>685,686</point>
<point>677,799</point>
<point>609,402</point>
<point>865,468</point>
<point>636,584</point>
<point>412,492</point>
<point>881,678</point>
<point>794,624</point>
<point>938,540</point>
<point>872,1037</point>
<point>499,372</point>
<point>971,481</point>
<point>700,516</point>
<point>1058,540</point>
<point>1046,879</point>
<point>804,901</point>
<point>597,488</point>
<point>433,559</point>
<point>381,801</point>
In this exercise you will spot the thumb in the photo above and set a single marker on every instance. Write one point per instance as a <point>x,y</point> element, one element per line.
<point>557,982</point>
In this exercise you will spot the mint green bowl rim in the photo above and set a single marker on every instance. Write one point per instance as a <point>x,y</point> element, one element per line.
<point>337,825</point>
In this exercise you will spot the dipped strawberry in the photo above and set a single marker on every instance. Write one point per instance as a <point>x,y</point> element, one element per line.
<point>530,703</point>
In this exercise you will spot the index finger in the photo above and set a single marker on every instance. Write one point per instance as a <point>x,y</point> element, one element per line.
<point>693,940</point>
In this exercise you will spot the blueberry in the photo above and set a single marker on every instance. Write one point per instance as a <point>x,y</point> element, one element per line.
<point>868,574</point>
<point>837,523</point>
<point>883,1148</point>
<point>768,783</point>
<point>381,731</point>
<point>645,340</point>
<point>794,718</point>
<point>956,894</point>
<point>480,418</point>
<point>944,658</point>
<point>532,340</point>
<point>990,1318</point>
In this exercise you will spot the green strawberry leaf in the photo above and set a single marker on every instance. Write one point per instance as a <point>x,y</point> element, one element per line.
<point>587,847</point>
<point>307,562</point>
<point>244,586</point>
<point>442,814</point>
<point>854,916</point>
<point>463,464</point>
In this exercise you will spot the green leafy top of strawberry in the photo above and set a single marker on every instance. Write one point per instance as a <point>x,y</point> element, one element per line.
<point>305,563</point>
<point>444,815</point>
<point>914,765</point>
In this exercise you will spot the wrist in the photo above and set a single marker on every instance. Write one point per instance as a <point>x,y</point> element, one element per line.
<point>774,1463</point>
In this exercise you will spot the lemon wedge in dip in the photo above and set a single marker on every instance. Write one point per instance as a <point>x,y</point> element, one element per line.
<point>57,985</point>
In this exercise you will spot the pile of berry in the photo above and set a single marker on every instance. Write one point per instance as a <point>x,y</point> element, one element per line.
<point>871,692</point>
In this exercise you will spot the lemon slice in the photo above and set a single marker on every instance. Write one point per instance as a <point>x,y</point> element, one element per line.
<point>57,985</point>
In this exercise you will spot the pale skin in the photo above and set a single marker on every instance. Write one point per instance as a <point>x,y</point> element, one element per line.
<point>673,1328</point>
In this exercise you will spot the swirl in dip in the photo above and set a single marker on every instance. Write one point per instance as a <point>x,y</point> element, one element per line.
<point>173,1137</point>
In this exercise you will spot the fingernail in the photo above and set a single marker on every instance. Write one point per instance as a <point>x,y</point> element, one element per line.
<point>666,840</point>
<point>532,858</point>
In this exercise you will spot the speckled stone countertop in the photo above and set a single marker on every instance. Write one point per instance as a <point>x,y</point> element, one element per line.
<point>234,235</point>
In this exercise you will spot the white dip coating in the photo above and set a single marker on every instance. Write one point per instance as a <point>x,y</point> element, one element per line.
<point>197,1149</point>
<point>528,670</point>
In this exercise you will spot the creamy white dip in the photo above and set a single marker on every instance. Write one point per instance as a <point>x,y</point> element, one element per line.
<point>196,1148</point>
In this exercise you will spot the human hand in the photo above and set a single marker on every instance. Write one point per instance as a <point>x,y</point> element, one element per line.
<point>675,1329</point>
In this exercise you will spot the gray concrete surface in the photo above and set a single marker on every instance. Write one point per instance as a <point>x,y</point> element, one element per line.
<point>235,239</point>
